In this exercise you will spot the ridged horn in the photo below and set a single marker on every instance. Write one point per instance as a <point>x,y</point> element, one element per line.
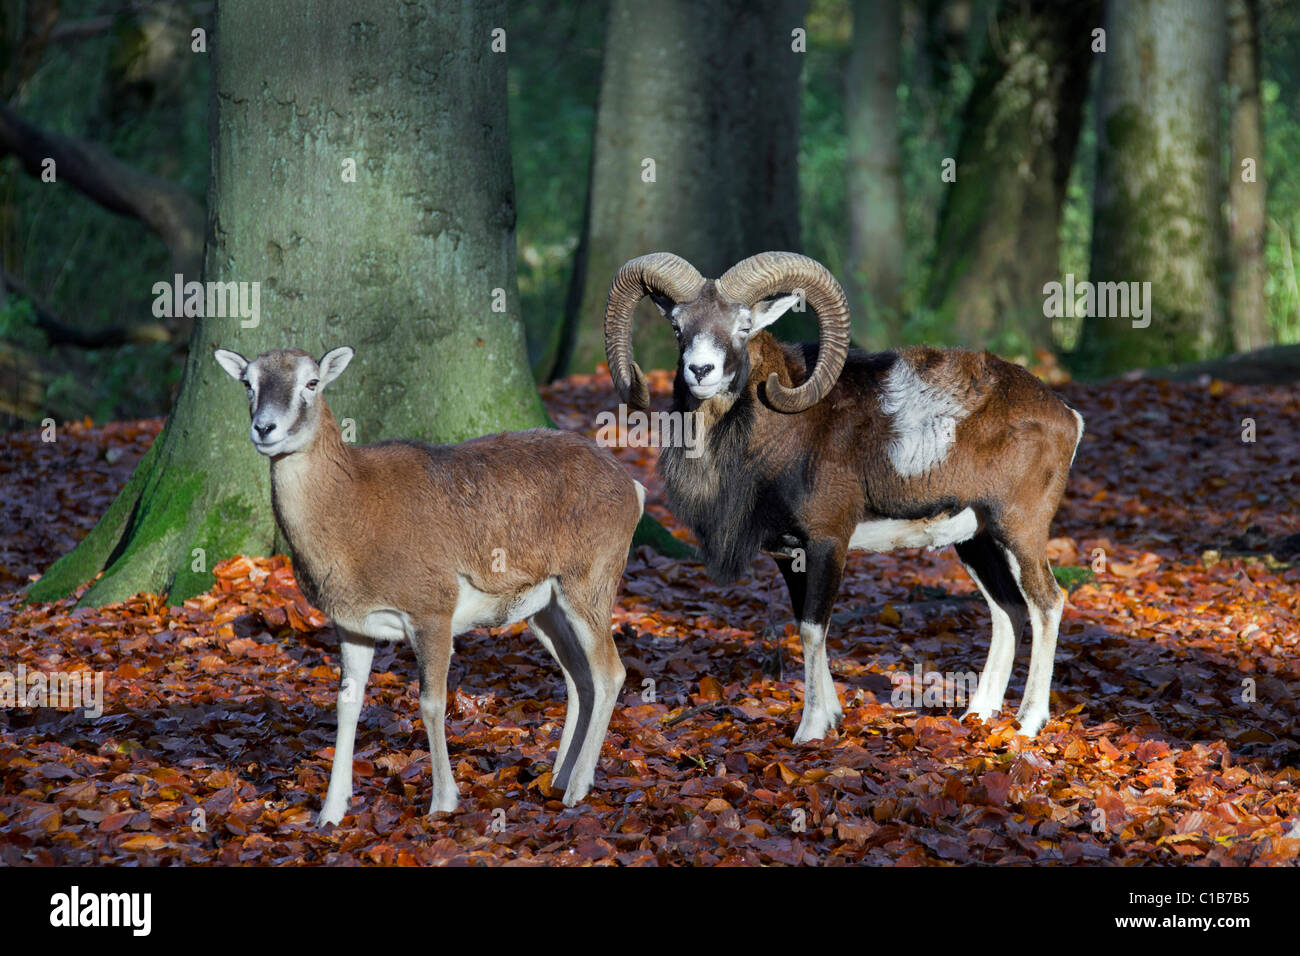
<point>768,273</point>
<point>661,273</point>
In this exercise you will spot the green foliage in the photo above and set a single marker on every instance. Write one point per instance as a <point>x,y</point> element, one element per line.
<point>1071,578</point>
<point>94,268</point>
<point>554,77</point>
<point>18,324</point>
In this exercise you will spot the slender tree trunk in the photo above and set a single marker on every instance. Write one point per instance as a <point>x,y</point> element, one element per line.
<point>405,264</point>
<point>998,242</point>
<point>875,173</point>
<point>1247,186</point>
<point>1156,209</point>
<point>695,152</point>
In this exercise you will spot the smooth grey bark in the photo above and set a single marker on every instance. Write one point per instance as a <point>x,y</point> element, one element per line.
<point>709,92</point>
<point>1157,203</point>
<point>405,264</point>
<point>875,175</point>
<point>1247,193</point>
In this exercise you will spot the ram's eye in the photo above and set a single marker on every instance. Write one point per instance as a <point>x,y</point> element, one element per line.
<point>311,386</point>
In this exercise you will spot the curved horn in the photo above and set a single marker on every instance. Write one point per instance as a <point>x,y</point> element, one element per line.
<point>661,273</point>
<point>768,273</point>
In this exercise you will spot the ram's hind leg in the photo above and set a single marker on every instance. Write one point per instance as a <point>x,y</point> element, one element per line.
<point>812,594</point>
<point>987,564</point>
<point>1046,602</point>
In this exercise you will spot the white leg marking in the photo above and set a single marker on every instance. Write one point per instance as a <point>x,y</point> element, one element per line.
<point>356,653</point>
<point>1035,707</point>
<point>821,706</point>
<point>987,699</point>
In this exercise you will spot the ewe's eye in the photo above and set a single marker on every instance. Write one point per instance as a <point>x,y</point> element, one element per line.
<point>311,386</point>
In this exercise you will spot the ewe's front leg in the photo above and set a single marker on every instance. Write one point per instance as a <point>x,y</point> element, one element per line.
<point>356,653</point>
<point>432,642</point>
<point>812,593</point>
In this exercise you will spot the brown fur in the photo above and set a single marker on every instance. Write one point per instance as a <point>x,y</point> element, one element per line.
<point>438,512</point>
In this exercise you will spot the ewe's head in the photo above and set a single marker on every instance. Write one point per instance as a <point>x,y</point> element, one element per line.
<point>284,387</point>
<point>713,321</point>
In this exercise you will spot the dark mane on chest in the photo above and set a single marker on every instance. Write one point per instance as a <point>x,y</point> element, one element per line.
<point>730,496</point>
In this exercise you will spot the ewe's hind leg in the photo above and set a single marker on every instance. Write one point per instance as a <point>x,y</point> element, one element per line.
<point>589,654</point>
<point>987,565</point>
<point>432,644</point>
<point>356,654</point>
<point>552,629</point>
<point>812,594</point>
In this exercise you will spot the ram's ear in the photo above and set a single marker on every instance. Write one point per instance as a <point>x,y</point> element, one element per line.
<point>762,314</point>
<point>232,362</point>
<point>333,362</point>
<point>664,304</point>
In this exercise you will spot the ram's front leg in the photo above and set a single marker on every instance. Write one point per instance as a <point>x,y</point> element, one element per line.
<point>814,582</point>
<point>357,653</point>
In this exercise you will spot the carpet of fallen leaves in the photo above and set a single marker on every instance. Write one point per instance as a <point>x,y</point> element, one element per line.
<point>1173,737</point>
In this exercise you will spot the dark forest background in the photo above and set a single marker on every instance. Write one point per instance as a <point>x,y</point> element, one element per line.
<point>839,157</point>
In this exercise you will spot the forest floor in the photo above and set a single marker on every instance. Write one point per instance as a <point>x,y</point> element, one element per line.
<point>1173,736</point>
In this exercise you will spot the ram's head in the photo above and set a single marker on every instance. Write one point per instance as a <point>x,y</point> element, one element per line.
<point>713,321</point>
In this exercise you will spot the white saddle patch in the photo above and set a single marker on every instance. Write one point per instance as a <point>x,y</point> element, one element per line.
<point>887,534</point>
<point>924,418</point>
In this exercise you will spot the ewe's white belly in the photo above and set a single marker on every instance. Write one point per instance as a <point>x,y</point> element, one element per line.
<point>475,608</point>
<point>887,534</point>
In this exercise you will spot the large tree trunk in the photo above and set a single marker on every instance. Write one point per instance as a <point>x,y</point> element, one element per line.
<point>1156,210</point>
<point>404,264</point>
<point>709,93</point>
<point>998,241</point>
<point>1247,187</point>
<point>875,174</point>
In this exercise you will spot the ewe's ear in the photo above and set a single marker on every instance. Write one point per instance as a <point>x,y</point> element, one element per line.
<point>232,362</point>
<point>333,362</point>
<point>763,314</point>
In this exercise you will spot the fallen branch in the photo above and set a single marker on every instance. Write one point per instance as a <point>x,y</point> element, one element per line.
<point>165,208</point>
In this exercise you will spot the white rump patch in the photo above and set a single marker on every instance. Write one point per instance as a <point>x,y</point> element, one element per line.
<point>924,418</point>
<point>887,534</point>
<point>1079,419</point>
